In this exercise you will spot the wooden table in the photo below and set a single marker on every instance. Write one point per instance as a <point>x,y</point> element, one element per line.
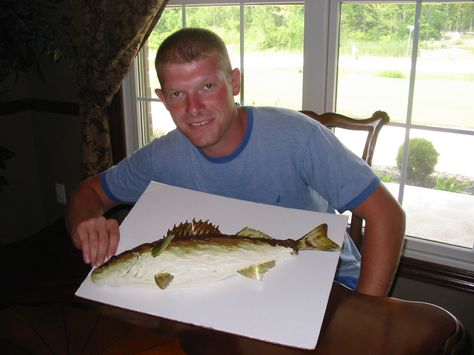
<point>353,324</point>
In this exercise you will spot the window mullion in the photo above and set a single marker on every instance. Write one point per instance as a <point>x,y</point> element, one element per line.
<point>315,55</point>
<point>183,14</point>
<point>129,95</point>
<point>414,57</point>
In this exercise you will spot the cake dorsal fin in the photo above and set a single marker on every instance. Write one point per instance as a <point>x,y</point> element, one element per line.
<point>194,228</point>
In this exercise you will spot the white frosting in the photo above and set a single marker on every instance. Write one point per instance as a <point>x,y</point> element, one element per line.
<point>199,266</point>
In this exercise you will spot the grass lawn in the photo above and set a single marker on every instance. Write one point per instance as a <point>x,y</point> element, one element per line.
<point>439,99</point>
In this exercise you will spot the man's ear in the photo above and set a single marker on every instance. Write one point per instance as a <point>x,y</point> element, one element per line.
<point>161,95</point>
<point>235,79</point>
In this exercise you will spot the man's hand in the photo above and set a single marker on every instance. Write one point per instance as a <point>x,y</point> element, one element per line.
<point>98,239</point>
<point>92,233</point>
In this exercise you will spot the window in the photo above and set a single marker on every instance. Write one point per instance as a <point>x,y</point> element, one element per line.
<point>413,60</point>
<point>423,77</point>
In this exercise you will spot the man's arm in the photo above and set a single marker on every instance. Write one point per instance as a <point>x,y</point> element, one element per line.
<point>90,231</point>
<point>383,240</point>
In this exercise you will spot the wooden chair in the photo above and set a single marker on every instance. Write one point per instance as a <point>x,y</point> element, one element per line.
<point>354,324</point>
<point>372,126</point>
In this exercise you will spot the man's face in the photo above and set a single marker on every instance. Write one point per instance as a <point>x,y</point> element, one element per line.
<point>200,98</point>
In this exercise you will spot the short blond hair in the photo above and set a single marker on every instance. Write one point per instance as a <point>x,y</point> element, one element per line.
<point>189,45</point>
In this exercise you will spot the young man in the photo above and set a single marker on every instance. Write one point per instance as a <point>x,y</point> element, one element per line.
<point>266,155</point>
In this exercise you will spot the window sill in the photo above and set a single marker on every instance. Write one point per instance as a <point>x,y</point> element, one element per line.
<point>441,275</point>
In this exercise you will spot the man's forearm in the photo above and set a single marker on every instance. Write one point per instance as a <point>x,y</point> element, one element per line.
<point>83,204</point>
<point>381,255</point>
<point>86,202</point>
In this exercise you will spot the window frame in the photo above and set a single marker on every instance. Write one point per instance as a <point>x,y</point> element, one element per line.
<point>319,94</point>
<point>414,248</point>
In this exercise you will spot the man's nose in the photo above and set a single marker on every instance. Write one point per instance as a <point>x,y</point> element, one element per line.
<point>194,104</point>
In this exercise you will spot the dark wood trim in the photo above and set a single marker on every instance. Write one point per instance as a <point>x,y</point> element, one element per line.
<point>59,107</point>
<point>437,274</point>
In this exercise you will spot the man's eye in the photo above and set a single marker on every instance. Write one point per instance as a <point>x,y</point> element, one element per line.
<point>208,86</point>
<point>176,94</point>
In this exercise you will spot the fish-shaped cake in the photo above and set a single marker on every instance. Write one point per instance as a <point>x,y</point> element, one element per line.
<point>196,253</point>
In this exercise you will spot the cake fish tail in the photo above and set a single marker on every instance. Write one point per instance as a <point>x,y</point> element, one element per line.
<point>317,239</point>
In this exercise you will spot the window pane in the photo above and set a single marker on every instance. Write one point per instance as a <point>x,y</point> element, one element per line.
<point>375,44</point>
<point>223,20</point>
<point>439,216</point>
<point>169,22</point>
<point>162,122</point>
<point>440,206</point>
<point>444,87</point>
<point>156,119</point>
<point>385,155</point>
<point>273,59</point>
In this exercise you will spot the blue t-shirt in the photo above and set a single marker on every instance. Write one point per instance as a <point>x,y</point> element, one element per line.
<point>286,159</point>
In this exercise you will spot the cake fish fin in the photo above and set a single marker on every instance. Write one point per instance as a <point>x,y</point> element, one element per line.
<point>252,233</point>
<point>160,247</point>
<point>317,239</point>
<point>257,271</point>
<point>163,279</point>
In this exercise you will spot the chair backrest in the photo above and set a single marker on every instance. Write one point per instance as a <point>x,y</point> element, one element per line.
<point>372,126</point>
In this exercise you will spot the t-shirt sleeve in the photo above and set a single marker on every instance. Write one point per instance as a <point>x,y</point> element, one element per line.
<point>126,181</point>
<point>335,172</point>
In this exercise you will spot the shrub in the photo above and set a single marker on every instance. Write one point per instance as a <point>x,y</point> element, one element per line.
<point>422,159</point>
<point>386,178</point>
<point>451,184</point>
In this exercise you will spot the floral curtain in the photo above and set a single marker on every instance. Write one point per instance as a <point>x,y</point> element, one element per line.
<point>109,34</point>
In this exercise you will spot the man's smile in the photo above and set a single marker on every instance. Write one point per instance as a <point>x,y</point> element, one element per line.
<point>200,123</point>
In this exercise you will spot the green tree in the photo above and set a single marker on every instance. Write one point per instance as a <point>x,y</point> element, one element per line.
<point>274,27</point>
<point>388,22</point>
<point>168,23</point>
